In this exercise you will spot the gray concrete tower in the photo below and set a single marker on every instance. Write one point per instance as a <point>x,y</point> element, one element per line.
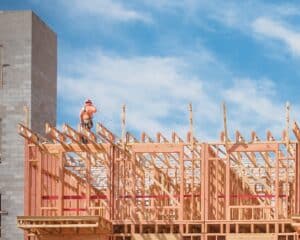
<point>29,48</point>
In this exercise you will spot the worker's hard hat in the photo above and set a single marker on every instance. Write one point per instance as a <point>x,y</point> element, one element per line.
<point>88,101</point>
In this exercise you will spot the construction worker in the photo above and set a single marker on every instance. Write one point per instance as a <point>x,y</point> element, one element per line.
<point>86,114</point>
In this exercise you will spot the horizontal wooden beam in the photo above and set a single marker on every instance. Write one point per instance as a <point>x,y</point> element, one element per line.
<point>155,147</point>
<point>58,225</point>
<point>253,147</point>
<point>55,148</point>
<point>46,222</point>
<point>58,218</point>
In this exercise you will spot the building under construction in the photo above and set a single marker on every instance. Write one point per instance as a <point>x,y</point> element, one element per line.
<point>88,185</point>
<point>160,188</point>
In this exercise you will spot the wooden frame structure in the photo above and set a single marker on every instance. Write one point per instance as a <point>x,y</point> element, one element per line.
<point>110,188</point>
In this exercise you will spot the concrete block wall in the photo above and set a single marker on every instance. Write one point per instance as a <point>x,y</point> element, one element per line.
<point>43,75</point>
<point>29,47</point>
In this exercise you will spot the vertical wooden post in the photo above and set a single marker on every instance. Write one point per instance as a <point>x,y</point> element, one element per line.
<point>227,171</point>
<point>77,200</point>
<point>287,125</point>
<point>27,184</point>
<point>60,166</point>
<point>39,183</point>
<point>124,141</point>
<point>112,183</point>
<point>193,160</point>
<point>217,187</point>
<point>27,181</point>
<point>227,187</point>
<point>88,182</point>
<point>203,181</point>
<point>134,187</point>
<point>124,190</point>
<point>191,124</point>
<point>51,185</point>
<point>297,184</point>
<point>277,186</point>
<point>123,118</point>
<point>225,124</point>
<point>181,167</point>
<point>205,185</point>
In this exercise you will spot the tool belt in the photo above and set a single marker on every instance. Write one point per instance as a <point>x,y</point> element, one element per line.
<point>87,123</point>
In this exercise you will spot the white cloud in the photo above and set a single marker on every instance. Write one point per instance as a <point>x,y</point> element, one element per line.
<point>236,14</point>
<point>254,105</point>
<point>276,30</point>
<point>110,9</point>
<point>248,17</point>
<point>157,91</point>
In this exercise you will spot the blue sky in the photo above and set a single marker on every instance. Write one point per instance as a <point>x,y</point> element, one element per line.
<point>157,56</point>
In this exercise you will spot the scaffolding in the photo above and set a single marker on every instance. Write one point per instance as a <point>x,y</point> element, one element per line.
<point>110,188</point>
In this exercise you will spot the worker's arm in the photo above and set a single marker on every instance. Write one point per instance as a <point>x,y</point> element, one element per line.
<point>81,115</point>
<point>94,109</point>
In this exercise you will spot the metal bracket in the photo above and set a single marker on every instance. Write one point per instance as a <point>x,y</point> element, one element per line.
<point>2,66</point>
<point>3,213</point>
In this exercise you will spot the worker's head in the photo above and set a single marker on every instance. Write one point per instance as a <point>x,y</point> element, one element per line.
<point>88,102</point>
